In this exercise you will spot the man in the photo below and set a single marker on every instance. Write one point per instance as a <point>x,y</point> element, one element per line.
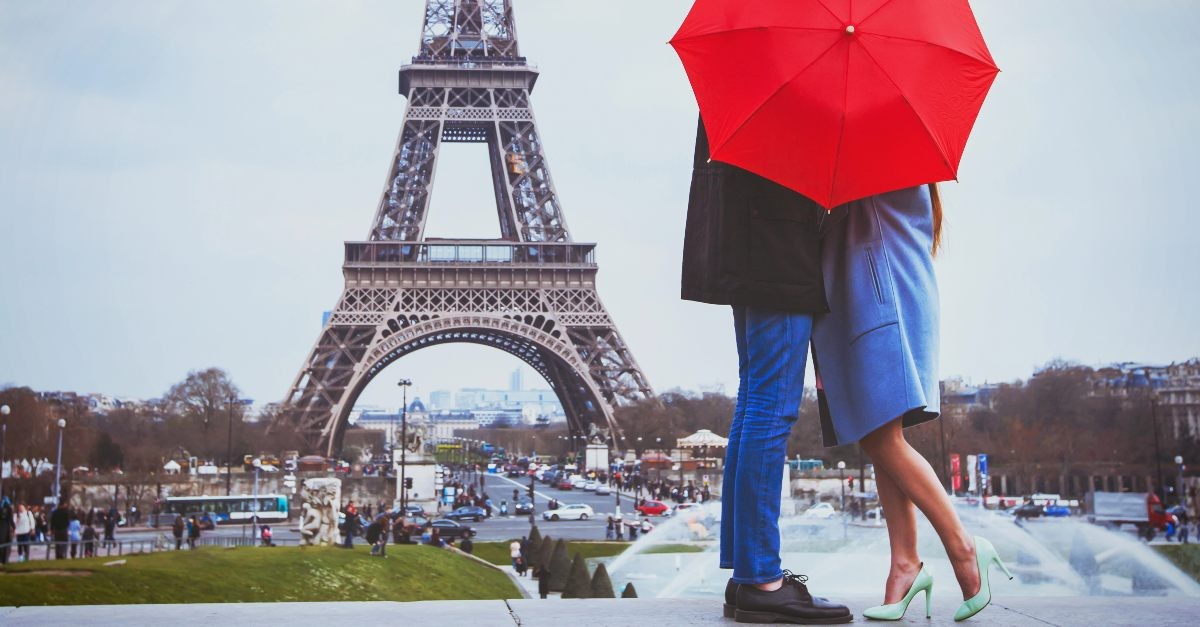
<point>755,246</point>
<point>177,529</point>
<point>60,524</point>
<point>8,527</point>
<point>377,537</point>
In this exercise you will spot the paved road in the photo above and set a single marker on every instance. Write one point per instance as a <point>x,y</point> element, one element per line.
<point>500,488</point>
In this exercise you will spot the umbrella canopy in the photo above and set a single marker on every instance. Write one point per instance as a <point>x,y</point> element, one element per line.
<point>837,99</point>
<point>703,438</point>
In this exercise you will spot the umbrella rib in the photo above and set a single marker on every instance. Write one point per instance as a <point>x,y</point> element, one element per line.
<point>842,130</point>
<point>941,149</point>
<point>713,150</point>
<point>972,57</point>
<point>872,13</point>
<point>745,29</point>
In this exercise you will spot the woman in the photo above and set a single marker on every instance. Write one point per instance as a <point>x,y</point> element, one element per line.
<point>75,534</point>
<point>876,355</point>
<point>25,529</point>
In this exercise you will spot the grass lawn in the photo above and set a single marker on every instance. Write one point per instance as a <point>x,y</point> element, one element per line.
<point>247,574</point>
<point>497,552</point>
<point>1185,556</point>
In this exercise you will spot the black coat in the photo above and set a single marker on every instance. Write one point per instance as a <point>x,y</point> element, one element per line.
<point>750,241</point>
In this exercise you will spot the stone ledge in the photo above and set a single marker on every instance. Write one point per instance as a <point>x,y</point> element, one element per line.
<point>1018,611</point>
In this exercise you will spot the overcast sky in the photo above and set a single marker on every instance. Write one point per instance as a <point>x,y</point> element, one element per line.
<point>177,178</point>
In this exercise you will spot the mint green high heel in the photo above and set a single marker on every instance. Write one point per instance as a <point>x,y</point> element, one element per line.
<point>985,555</point>
<point>895,611</point>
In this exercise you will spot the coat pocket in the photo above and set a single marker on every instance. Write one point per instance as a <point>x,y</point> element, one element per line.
<point>869,299</point>
<point>782,244</point>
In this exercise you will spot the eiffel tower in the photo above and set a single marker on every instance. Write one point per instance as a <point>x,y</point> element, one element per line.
<point>531,293</point>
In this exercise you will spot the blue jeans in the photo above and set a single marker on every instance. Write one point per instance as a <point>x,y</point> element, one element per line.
<point>772,350</point>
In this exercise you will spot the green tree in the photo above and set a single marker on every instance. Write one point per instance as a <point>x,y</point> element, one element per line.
<point>203,399</point>
<point>107,454</point>
<point>560,567</point>
<point>579,584</point>
<point>545,557</point>
<point>532,546</point>
<point>602,587</point>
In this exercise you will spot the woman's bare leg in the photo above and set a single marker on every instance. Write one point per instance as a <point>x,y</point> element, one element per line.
<point>910,472</point>
<point>902,536</point>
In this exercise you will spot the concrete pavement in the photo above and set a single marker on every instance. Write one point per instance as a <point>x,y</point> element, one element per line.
<point>1089,611</point>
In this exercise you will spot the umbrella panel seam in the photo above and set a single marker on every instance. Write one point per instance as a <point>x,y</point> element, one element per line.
<point>988,63</point>
<point>936,142</point>
<point>768,99</point>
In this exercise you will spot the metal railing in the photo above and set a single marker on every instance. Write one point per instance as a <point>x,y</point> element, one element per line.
<point>48,549</point>
<point>469,252</point>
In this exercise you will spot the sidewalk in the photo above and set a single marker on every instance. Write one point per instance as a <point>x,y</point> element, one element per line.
<point>1089,611</point>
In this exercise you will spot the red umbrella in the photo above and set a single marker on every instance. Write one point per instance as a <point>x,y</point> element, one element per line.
<point>837,99</point>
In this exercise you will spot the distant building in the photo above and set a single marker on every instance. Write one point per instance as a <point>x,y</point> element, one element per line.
<point>1179,398</point>
<point>515,383</point>
<point>1128,379</point>
<point>441,400</point>
<point>960,398</point>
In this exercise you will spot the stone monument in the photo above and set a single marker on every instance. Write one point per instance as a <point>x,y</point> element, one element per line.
<point>319,513</point>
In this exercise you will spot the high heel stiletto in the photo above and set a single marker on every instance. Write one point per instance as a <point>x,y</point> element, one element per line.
<point>985,556</point>
<point>895,611</point>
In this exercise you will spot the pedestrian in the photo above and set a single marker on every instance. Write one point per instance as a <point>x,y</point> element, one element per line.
<point>193,532</point>
<point>610,530</point>
<point>1184,529</point>
<point>375,533</point>
<point>435,538</point>
<point>75,533</point>
<point>89,541</point>
<point>24,528</point>
<point>60,523</point>
<point>110,528</point>
<point>177,529</point>
<point>8,527</point>
<point>467,545</point>
<point>619,527</point>
<point>350,527</point>
<point>543,576</point>
<point>633,531</point>
<point>266,535</point>
<point>514,553</point>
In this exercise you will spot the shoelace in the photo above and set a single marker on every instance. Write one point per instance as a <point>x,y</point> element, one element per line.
<point>798,580</point>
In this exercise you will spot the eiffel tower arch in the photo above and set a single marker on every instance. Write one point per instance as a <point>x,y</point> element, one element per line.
<point>530,293</point>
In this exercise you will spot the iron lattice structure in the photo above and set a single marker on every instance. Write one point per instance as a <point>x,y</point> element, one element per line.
<point>531,293</point>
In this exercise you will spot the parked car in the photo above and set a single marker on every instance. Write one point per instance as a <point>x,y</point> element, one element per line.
<point>683,508</point>
<point>1028,510</point>
<point>820,510</point>
<point>565,484</point>
<point>591,486</point>
<point>467,512</point>
<point>450,529</point>
<point>652,508</point>
<point>577,511</point>
<point>603,489</point>
<point>524,507</point>
<point>578,482</point>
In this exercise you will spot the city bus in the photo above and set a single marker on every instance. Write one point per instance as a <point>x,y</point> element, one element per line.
<point>230,509</point>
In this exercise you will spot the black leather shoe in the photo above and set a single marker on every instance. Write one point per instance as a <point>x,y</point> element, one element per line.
<point>730,599</point>
<point>791,603</point>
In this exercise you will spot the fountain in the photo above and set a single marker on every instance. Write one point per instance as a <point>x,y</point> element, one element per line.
<point>1049,557</point>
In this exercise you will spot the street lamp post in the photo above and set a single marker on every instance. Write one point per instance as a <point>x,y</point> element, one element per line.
<point>229,450</point>
<point>4,412</point>
<point>1179,494</point>
<point>62,425</point>
<point>254,523</point>
<point>404,383</point>
<point>1162,490</point>
<point>842,480</point>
